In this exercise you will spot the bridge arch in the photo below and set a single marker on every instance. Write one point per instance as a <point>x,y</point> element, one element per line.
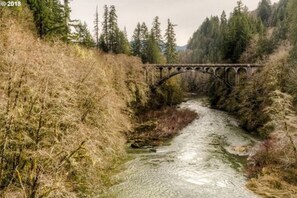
<point>242,75</point>
<point>230,75</point>
<point>209,71</point>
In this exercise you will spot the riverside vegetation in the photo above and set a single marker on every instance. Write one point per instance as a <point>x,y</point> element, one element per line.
<point>266,104</point>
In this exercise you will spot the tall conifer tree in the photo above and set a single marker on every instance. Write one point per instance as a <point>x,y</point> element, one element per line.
<point>144,34</point>
<point>156,32</point>
<point>113,29</point>
<point>170,44</point>
<point>96,27</point>
<point>103,40</point>
<point>136,41</point>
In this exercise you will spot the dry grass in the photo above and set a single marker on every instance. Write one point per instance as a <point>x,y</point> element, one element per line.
<point>270,185</point>
<point>62,113</point>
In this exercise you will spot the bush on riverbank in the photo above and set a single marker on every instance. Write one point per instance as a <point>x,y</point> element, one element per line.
<point>157,126</point>
<point>168,94</point>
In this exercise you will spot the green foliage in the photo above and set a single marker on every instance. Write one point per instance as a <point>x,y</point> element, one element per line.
<point>147,45</point>
<point>153,51</point>
<point>280,22</point>
<point>170,44</point>
<point>113,29</point>
<point>207,40</point>
<point>122,43</point>
<point>264,12</point>
<point>144,35</point>
<point>219,40</point>
<point>156,32</point>
<point>103,41</point>
<point>292,12</point>
<point>238,34</point>
<point>49,16</point>
<point>136,41</point>
<point>264,46</point>
<point>112,38</point>
<point>168,94</point>
<point>280,12</point>
<point>83,35</point>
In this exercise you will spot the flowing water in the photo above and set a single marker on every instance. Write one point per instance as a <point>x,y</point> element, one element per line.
<point>202,162</point>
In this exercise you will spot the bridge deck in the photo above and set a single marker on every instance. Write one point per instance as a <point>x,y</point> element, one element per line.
<point>205,65</point>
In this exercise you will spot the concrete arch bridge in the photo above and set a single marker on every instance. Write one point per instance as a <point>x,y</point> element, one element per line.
<point>157,74</point>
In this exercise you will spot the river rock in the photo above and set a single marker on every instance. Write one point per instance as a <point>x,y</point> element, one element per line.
<point>240,149</point>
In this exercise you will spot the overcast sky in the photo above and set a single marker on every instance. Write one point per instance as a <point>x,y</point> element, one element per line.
<point>186,14</point>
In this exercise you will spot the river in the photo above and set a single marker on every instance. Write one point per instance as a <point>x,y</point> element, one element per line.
<point>202,162</point>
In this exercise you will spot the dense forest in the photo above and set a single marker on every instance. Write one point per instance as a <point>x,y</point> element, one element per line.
<point>222,39</point>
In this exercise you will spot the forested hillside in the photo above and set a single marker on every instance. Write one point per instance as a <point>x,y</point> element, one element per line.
<point>63,110</point>
<point>266,104</point>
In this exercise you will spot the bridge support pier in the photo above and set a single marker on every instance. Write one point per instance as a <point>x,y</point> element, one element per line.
<point>161,73</point>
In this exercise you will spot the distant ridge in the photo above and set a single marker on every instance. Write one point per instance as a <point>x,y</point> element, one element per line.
<point>181,48</point>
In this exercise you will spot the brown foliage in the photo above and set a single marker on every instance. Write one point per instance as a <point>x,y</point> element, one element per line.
<point>62,111</point>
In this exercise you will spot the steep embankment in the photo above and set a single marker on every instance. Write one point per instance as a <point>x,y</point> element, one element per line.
<point>264,107</point>
<point>63,111</point>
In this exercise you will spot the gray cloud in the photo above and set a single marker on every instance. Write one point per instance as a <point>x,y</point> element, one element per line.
<point>187,14</point>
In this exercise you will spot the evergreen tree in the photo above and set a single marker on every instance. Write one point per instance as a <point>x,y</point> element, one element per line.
<point>41,16</point>
<point>123,46</point>
<point>156,32</point>
<point>96,27</point>
<point>170,44</point>
<point>104,38</point>
<point>154,54</point>
<point>144,41</point>
<point>280,13</point>
<point>223,34</point>
<point>208,40</point>
<point>239,34</point>
<point>136,41</point>
<point>49,17</point>
<point>223,18</point>
<point>103,44</point>
<point>264,12</point>
<point>83,35</point>
<point>113,29</point>
<point>292,8</point>
<point>112,39</point>
<point>67,11</point>
<point>145,44</point>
